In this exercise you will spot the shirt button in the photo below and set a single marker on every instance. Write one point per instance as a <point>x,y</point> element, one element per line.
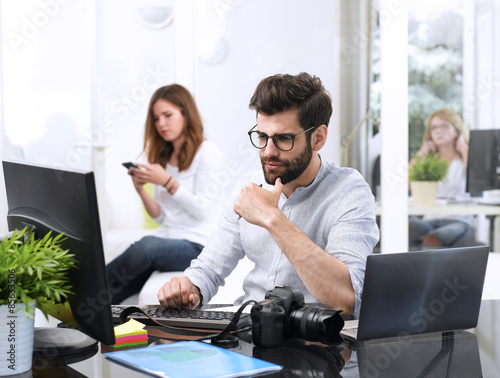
<point>271,278</point>
<point>286,208</point>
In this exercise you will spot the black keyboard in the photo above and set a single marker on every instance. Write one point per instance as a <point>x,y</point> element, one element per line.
<point>216,320</point>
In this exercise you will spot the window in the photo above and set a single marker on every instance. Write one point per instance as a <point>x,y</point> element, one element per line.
<point>435,62</point>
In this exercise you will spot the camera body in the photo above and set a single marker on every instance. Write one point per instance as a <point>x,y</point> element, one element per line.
<point>282,315</point>
<point>270,317</point>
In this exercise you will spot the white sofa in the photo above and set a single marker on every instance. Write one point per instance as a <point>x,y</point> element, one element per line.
<point>117,241</point>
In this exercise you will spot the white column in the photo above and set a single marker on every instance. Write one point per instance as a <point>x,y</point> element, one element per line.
<point>469,65</point>
<point>496,64</point>
<point>3,198</point>
<point>394,125</point>
<point>94,15</point>
<point>335,127</point>
<point>185,51</point>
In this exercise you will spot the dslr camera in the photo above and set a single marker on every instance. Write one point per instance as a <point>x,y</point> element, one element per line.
<point>283,315</point>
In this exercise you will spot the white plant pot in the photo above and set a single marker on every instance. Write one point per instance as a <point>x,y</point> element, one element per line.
<point>16,340</point>
<point>424,193</point>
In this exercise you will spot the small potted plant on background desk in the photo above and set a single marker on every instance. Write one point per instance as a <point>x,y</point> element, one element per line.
<point>30,268</point>
<point>424,174</point>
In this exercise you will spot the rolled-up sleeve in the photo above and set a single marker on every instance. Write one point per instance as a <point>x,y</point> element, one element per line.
<point>353,234</point>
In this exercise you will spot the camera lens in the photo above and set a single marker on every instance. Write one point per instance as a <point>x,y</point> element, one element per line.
<point>316,324</point>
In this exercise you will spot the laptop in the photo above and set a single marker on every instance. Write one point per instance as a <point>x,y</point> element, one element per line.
<point>420,292</point>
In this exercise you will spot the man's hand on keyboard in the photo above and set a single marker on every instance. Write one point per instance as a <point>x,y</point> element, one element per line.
<point>179,292</point>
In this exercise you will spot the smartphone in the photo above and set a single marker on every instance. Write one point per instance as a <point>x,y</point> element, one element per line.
<point>129,165</point>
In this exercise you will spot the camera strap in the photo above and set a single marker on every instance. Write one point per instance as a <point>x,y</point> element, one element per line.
<point>174,333</point>
<point>225,340</point>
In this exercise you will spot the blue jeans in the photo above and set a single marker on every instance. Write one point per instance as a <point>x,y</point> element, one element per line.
<point>129,271</point>
<point>448,232</point>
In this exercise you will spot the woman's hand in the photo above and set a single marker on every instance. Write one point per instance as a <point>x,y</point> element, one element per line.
<point>153,173</point>
<point>138,184</point>
<point>141,176</point>
<point>429,147</point>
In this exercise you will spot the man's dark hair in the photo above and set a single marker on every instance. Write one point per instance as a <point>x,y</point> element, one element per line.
<point>281,92</point>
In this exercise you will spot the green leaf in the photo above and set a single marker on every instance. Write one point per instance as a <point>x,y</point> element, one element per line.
<point>428,168</point>
<point>39,267</point>
<point>39,272</point>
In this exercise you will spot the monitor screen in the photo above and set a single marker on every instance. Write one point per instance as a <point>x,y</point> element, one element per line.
<point>66,202</point>
<point>483,169</point>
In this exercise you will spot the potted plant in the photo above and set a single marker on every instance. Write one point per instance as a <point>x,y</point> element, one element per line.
<point>424,174</point>
<point>30,268</point>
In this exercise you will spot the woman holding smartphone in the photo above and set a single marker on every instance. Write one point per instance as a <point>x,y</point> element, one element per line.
<point>184,168</point>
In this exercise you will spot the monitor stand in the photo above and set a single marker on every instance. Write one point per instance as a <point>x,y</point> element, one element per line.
<point>61,346</point>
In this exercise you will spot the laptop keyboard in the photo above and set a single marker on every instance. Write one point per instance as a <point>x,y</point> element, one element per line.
<point>350,329</point>
<point>216,320</point>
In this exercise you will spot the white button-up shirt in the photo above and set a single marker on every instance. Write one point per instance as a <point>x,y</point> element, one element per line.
<point>336,211</point>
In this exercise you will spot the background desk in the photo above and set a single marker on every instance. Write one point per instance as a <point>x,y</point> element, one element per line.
<point>465,208</point>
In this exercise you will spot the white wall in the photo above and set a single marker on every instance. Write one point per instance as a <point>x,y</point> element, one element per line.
<point>48,79</point>
<point>82,72</point>
<point>134,62</point>
<point>45,87</point>
<point>483,100</point>
<point>46,83</point>
<point>263,38</point>
<point>259,38</point>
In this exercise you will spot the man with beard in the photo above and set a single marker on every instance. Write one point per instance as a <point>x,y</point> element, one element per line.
<point>310,226</point>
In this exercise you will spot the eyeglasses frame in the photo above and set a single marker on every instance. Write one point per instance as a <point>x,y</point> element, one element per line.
<point>293,136</point>
<point>447,126</point>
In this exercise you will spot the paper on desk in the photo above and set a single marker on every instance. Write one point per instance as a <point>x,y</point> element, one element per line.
<point>131,326</point>
<point>191,359</point>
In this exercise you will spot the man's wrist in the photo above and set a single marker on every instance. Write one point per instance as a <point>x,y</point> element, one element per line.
<point>198,293</point>
<point>275,218</point>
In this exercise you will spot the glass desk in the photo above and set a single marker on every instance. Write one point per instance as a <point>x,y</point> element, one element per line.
<point>474,353</point>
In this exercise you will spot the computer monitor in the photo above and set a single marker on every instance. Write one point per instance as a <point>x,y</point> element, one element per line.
<point>65,201</point>
<point>483,169</point>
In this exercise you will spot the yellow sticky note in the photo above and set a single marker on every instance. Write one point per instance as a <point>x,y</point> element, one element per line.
<point>129,327</point>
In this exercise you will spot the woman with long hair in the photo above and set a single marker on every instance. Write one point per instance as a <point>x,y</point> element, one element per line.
<point>444,135</point>
<point>185,169</point>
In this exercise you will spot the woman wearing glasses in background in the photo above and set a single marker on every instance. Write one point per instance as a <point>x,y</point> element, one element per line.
<point>184,168</point>
<point>444,135</point>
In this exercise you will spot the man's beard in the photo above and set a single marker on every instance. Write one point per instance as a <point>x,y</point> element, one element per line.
<point>292,168</point>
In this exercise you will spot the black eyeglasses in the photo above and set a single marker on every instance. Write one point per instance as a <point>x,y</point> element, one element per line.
<point>283,142</point>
